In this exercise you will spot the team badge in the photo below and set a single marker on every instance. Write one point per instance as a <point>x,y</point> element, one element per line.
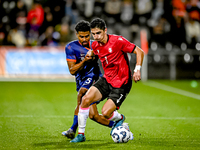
<point>110,50</point>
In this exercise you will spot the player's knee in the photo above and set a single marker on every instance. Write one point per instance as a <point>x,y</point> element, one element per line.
<point>85,99</point>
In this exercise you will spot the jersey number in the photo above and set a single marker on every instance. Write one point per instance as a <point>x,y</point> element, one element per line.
<point>88,81</point>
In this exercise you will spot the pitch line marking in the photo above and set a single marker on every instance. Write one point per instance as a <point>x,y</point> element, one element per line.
<point>165,118</point>
<point>131,117</point>
<point>172,89</point>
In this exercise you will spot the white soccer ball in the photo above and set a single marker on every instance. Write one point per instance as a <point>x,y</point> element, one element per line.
<point>120,135</point>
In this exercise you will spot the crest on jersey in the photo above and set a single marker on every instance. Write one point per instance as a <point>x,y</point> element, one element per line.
<point>110,50</point>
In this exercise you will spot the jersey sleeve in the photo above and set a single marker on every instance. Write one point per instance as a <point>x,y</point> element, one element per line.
<point>70,55</point>
<point>125,45</point>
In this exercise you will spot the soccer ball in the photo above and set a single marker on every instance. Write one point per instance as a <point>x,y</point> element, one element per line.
<point>120,134</point>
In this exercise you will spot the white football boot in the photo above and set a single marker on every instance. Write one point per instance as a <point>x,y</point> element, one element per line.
<point>69,133</point>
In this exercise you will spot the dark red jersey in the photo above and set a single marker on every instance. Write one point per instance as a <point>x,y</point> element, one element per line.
<point>114,59</point>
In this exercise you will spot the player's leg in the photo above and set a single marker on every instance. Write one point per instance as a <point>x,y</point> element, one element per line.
<point>94,115</point>
<point>115,99</point>
<point>109,111</point>
<point>70,133</point>
<point>91,96</point>
<point>81,93</point>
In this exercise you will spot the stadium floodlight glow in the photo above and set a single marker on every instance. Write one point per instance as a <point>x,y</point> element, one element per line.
<point>12,5</point>
<point>187,58</point>
<point>154,46</point>
<point>156,57</point>
<point>197,46</point>
<point>5,19</point>
<point>183,46</point>
<point>168,46</point>
<point>5,5</point>
<point>194,84</point>
<point>56,35</point>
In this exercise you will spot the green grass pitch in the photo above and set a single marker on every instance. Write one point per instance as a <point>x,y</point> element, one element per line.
<point>162,114</point>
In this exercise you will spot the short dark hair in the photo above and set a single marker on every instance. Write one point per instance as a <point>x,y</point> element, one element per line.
<point>82,26</point>
<point>98,23</point>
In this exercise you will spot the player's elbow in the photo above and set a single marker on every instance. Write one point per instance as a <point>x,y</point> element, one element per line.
<point>139,51</point>
<point>85,101</point>
<point>72,72</point>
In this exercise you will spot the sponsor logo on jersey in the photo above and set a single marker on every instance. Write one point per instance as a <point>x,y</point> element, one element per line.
<point>110,50</point>
<point>120,39</point>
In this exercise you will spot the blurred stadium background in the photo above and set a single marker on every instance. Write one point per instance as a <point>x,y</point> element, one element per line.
<point>163,114</point>
<point>33,34</point>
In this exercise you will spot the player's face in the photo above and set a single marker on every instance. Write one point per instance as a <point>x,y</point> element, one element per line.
<point>99,35</point>
<point>84,38</point>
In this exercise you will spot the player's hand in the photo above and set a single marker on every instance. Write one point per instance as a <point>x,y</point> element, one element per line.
<point>89,56</point>
<point>137,76</point>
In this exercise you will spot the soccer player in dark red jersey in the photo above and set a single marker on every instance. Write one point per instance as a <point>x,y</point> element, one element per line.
<point>86,71</point>
<point>117,80</point>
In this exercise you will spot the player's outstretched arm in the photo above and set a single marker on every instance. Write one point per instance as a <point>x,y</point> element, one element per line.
<point>139,59</point>
<point>74,68</point>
